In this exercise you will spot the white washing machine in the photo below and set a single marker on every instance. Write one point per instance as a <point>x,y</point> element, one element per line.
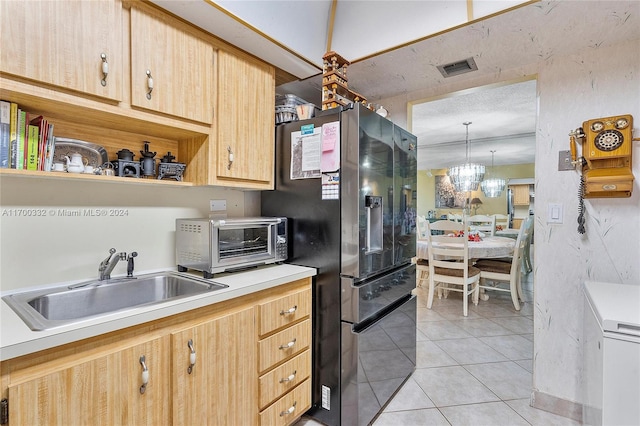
<point>611,354</point>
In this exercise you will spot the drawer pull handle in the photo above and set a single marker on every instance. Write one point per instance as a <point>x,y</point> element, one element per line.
<point>105,69</point>
<point>230,157</point>
<point>290,410</point>
<point>192,356</point>
<point>290,378</point>
<point>149,84</point>
<point>145,374</point>
<point>289,311</point>
<point>288,345</point>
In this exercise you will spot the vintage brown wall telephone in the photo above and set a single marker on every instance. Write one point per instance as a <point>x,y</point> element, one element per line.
<point>605,163</point>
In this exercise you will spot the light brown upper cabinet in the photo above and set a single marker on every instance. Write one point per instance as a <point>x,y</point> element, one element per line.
<point>246,122</point>
<point>171,68</point>
<point>70,44</point>
<point>520,195</point>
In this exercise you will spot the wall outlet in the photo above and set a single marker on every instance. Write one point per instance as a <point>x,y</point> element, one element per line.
<point>218,205</point>
<point>564,161</point>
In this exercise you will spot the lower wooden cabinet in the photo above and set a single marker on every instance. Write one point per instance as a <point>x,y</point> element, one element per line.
<point>284,357</point>
<point>196,368</point>
<point>209,360</point>
<point>107,390</point>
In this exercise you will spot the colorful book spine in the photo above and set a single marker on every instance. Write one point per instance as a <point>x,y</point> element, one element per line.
<point>13,136</point>
<point>5,133</point>
<point>48,161</point>
<point>32,147</point>
<point>22,119</point>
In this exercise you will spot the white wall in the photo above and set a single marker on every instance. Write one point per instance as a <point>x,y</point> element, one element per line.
<point>39,245</point>
<point>598,82</point>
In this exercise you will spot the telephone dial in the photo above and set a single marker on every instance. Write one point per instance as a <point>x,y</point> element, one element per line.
<point>605,163</point>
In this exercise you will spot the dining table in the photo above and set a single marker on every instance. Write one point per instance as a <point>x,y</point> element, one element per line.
<point>487,247</point>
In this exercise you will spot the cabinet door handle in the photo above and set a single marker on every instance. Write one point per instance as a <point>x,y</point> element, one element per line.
<point>289,311</point>
<point>105,69</point>
<point>149,84</point>
<point>230,157</point>
<point>145,374</point>
<point>290,378</point>
<point>192,356</point>
<point>288,345</point>
<point>290,410</point>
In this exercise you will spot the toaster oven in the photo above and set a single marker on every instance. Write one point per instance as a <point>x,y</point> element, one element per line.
<point>223,245</point>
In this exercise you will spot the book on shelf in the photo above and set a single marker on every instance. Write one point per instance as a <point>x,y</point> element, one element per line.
<point>42,126</point>
<point>20,145</point>
<point>32,147</point>
<point>26,139</point>
<point>5,130</point>
<point>49,149</point>
<point>13,136</point>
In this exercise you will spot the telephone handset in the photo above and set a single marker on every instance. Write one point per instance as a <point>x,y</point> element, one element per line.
<point>605,163</point>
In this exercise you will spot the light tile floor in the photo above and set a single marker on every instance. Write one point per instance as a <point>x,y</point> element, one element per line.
<point>473,370</point>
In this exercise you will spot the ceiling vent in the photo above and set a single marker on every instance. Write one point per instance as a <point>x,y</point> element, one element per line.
<point>458,67</point>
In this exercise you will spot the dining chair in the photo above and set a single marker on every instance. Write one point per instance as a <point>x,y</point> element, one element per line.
<point>454,217</point>
<point>494,272</point>
<point>501,220</point>
<point>449,266</point>
<point>482,223</point>
<point>422,265</point>
<point>526,257</point>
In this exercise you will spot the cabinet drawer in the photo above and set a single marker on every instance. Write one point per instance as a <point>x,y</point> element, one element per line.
<point>281,312</point>
<point>288,408</point>
<point>283,345</point>
<point>284,378</point>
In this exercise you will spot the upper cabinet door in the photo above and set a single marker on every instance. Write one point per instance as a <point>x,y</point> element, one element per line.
<point>171,68</point>
<point>246,120</point>
<point>65,43</point>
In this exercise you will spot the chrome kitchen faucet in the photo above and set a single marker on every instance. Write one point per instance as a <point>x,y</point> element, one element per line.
<point>107,265</point>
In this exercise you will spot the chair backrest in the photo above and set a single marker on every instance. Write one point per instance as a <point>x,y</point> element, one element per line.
<point>454,255</point>
<point>482,223</point>
<point>421,227</point>
<point>522,241</point>
<point>455,217</point>
<point>502,220</point>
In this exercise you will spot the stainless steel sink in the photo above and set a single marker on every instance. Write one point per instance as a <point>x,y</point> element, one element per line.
<point>45,309</point>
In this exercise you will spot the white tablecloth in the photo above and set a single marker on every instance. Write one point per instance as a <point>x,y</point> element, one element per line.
<point>488,247</point>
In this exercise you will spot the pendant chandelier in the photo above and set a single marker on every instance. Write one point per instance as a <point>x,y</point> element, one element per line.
<point>466,177</point>
<point>493,187</point>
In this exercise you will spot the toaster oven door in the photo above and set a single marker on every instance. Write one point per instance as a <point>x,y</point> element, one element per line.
<point>244,244</point>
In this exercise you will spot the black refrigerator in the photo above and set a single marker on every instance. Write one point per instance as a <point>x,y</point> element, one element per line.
<point>346,181</point>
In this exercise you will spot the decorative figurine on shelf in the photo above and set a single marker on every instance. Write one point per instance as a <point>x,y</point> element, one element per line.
<point>147,162</point>
<point>167,169</point>
<point>125,166</point>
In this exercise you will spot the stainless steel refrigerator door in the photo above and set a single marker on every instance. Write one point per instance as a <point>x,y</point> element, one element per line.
<point>366,189</point>
<point>362,300</point>
<point>376,361</point>
<point>405,195</point>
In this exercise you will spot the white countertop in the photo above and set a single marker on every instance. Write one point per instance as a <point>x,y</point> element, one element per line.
<point>17,339</point>
<point>617,306</point>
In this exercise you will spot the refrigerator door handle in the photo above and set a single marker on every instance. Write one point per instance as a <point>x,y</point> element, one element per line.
<point>373,236</point>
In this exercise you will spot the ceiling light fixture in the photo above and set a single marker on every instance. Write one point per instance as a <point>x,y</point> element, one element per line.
<point>466,177</point>
<point>493,187</point>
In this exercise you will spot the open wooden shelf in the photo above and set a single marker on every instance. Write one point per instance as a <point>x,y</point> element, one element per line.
<point>88,177</point>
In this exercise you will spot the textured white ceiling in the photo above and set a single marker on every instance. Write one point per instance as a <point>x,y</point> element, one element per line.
<point>292,35</point>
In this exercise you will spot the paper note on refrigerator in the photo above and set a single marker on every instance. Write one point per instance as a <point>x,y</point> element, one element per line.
<point>306,151</point>
<point>330,161</point>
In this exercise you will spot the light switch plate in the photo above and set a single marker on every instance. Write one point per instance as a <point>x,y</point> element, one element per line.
<point>554,213</point>
<point>564,161</point>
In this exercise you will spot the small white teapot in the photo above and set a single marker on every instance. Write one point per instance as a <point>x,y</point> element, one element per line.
<point>76,163</point>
